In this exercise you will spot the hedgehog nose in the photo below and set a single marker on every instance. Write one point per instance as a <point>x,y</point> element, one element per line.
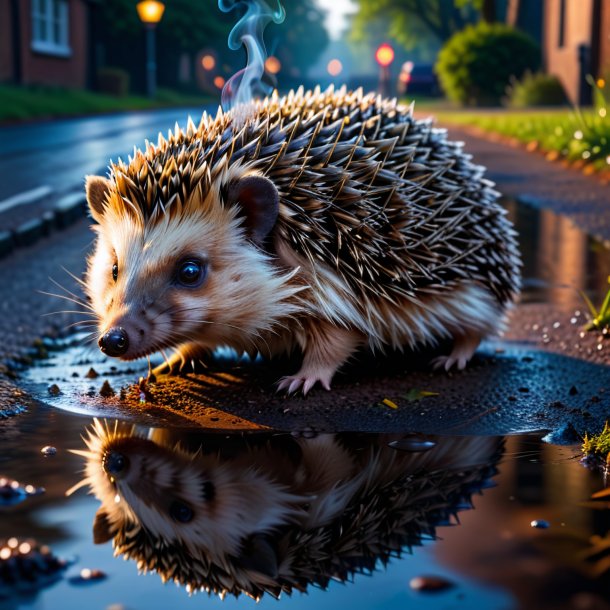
<point>115,342</point>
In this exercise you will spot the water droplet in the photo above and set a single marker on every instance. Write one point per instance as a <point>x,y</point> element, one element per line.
<point>413,444</point>
<point>556,324</point>
<point>48,450</point>
<point>430,583</point>
<point>540,524</point>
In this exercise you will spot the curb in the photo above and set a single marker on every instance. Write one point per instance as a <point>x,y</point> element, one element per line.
<point>68,209</point>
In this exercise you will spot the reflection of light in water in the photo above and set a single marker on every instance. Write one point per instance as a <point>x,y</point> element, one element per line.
<point>559,259</point>
<point>563,248</point>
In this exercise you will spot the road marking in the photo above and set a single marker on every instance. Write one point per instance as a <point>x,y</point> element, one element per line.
<point>24,198</point>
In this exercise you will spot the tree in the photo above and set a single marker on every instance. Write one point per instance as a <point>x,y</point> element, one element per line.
<point>413,22</point>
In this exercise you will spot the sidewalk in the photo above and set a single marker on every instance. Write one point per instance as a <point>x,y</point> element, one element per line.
<point>533,180</point>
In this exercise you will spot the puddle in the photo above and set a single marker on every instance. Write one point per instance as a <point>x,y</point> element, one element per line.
<point>559,259</point>
<point>349,518</point>
<point>344,519</point>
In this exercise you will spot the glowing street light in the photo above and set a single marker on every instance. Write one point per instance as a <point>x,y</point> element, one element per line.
<point>334,67</point>
<point>273,64</point>
<point>384,55</point>
<point>150,13</point>
<point>208,62</point>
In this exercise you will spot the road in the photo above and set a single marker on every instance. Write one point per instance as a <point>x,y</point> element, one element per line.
<point>40,162</point>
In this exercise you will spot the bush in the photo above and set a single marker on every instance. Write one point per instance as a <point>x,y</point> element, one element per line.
<point>475,65</point>
<point>113,81</point>
<point>536,90</point>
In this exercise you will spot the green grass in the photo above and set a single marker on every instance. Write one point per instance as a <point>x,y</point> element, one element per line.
<point>597,445</point>
<point>577,136</point>
<point>37,102</point>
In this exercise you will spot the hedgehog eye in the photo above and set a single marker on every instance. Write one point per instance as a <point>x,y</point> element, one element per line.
<point>115,463</point>
<point>115,271</point>
<point>181,512</point>
<point>190,272</point>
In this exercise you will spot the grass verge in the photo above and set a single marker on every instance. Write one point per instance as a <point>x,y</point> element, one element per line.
<point>580,137</point>
<point>38,102</point>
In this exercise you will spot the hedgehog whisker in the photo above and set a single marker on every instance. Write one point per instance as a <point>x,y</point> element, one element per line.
<point>60,311</point>
<point>76,278</point>
<point>67,298</point>
<point>72,294</point>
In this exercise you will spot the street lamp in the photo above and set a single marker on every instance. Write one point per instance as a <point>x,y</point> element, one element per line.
<point>384,56</point>
<point>150,13</point>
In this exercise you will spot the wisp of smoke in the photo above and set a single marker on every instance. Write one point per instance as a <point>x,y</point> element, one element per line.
<point>247,84</point>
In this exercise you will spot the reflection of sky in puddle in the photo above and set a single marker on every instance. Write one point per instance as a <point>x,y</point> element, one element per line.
<point>559,259</point>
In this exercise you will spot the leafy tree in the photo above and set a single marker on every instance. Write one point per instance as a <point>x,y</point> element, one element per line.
<point>413,22</point>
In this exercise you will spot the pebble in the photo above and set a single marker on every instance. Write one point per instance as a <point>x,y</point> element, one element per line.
<point>26,566</point>
<point>107,391</point>
<point>54,390</point>
<point>12,492</point>
<point>540,524</point>
<point>92,374</point>
<point>88,575</point>
<point>412,444</point>
<point>48,450</point>
<point>430,583</point>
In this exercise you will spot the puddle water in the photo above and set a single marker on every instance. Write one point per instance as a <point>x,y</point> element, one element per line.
<point>266,514</point>
<point>559,259</point>
<point>333,520</point>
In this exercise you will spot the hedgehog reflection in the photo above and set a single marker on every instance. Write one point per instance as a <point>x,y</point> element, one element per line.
<point>273,513</point>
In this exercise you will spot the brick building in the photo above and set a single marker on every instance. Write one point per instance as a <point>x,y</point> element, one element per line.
<point>576,42</point>
<point>44,42</point>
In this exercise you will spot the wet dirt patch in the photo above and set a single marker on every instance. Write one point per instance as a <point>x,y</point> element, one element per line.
<point>507,388</point>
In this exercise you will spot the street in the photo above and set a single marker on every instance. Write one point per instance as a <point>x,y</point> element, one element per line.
<point>40,162</point>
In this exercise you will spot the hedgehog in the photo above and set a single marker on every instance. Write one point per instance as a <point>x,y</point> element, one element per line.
<point>271,513</point>
<point>323,222</point>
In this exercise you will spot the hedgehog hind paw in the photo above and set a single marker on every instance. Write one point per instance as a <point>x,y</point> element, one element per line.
<point>460,355</point>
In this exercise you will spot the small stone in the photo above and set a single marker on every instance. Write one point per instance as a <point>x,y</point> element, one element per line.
<point>540,524</point>
<point>48,451</point>
<point>524,390</point>
<point>88,575</point>
<point>107,391</point>
<point>92,374</point>
<point>573,391</point>
<point>430,584</point>
<point>54,390</point>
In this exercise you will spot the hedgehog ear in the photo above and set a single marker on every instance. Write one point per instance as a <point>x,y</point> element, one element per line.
<point>101,527</point>
<point>259,556</point>
<point>97,189</point>
<point>259,203</point>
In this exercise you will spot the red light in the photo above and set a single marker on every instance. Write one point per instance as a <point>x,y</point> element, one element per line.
<point>384,55</point>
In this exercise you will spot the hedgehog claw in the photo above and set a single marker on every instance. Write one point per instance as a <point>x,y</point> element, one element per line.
<point>305,382</point>
<point>462,352</point>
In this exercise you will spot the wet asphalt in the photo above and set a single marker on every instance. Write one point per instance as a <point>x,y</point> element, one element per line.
<point>542,375</point>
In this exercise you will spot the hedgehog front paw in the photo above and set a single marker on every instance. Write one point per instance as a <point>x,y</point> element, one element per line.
<point>305,380</point>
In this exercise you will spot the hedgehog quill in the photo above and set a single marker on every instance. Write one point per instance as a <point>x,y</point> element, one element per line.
<point>323,221</point>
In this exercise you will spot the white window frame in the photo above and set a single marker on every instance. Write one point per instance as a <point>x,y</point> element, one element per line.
<point>50,27</point>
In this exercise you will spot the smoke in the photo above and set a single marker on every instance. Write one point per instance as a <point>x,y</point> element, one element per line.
<point>247,84</point>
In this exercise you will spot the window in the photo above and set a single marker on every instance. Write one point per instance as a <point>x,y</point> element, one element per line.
<point>50,27</point>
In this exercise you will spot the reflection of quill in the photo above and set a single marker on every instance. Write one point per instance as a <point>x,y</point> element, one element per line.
<point>273,513</point>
